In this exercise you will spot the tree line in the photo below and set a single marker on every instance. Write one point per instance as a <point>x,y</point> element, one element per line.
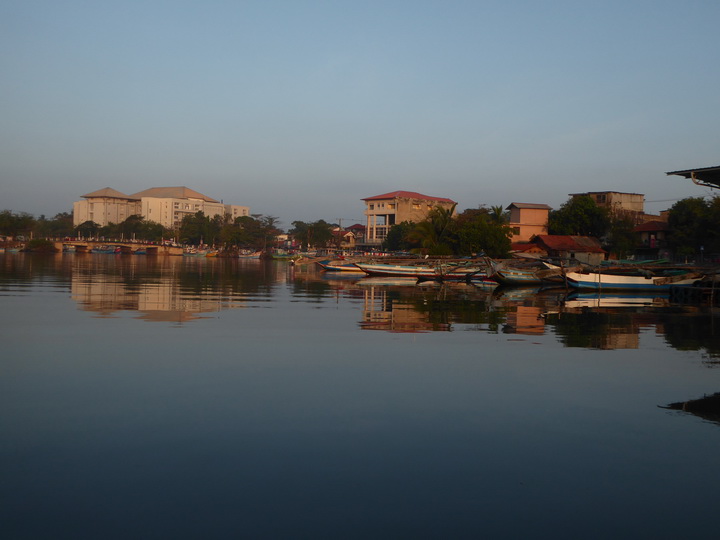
<point>252,232</point>
<point>694,223</point>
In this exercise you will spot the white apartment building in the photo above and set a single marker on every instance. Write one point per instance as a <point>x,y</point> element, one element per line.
<point>164,205</point>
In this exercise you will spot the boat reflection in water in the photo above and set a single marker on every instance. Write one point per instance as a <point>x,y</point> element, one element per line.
<point>707,407</point>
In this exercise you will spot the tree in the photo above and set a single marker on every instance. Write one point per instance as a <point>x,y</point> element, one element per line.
<point>579,216</point>
<point>198,229</point>
<point>480,231</point>
<point>689,221</point>
<point>59,226</point>
<point>435,233</point>
<point>621,238</point>
<point>12,224</point>
<point>88,229</point>
<point>314,234</point>
<point>397,238</point>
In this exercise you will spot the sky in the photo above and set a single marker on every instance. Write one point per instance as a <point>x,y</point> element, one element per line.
<point>300,109</point>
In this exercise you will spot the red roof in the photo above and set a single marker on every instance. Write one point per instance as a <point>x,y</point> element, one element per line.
<point>524,246</point>
<point>583,244</point>
<point>652,226</point>
<point>408,195</point>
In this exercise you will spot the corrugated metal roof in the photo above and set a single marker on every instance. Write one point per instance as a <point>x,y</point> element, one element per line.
<point>707,176</point>
<point>556,242</point>
<point>408,195</point>
<point>652,226</point>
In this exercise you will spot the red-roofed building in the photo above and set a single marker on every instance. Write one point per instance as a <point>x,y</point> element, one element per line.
<point>384,211</point>
<point>581,248</point>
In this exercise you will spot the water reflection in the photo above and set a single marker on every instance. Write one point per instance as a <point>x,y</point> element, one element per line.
<point>182,289</point>
<point>707,407</point>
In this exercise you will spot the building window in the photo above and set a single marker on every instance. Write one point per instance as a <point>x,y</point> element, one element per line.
<point>371,206</point>
<point>416,207</point>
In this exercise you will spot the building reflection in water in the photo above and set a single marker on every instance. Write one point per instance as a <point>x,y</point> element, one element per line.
<point>162,301</point>
<point>168,289</point>
<point>385,309</point>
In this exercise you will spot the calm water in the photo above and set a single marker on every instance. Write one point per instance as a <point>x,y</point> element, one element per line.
<point>210,398</point>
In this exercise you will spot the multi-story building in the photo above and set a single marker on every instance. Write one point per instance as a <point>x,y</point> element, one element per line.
<point>528,220</point>
<point>384,211</point>
<point>618,203</point>
<point>164,205</point>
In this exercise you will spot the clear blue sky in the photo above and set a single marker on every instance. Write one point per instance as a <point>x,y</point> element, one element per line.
<point>299,109</point>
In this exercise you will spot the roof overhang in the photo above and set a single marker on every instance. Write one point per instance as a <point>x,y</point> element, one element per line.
<point>707,176</point>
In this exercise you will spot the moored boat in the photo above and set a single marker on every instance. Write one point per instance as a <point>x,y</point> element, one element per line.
<point>636,281</point>
<point>339,266</point>
<point>428,271</point>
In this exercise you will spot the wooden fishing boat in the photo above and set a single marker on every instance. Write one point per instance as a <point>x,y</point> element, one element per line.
<point>330,265</point>
<point>426,271</point>
<point>106,249</point>
<point>632,281</point>
<point>249,254</point>
<point>519,273</point>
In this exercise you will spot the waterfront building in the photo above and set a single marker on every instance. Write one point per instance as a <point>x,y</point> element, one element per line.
<point>528,220</point>
<point>585,249</point>
<point>384,211</point>
<point>616,202</point>
<point>164,205</point>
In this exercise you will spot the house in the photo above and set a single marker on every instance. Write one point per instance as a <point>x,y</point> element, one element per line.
<point>343,239</point>
<point>653,240</point>
<point>585,249</point>
<point>359,232</point>
<point>164,205</point>
<point>384,211</point>
<point>528,220</point>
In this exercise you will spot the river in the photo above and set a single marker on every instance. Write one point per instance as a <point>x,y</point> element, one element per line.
<point>178,397</point>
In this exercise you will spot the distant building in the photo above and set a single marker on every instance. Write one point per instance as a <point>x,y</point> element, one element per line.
<point>384,211</point>
<point>528,220</point>
<point>164,205</point>
<point>619,204</point>
<point>653,240</point>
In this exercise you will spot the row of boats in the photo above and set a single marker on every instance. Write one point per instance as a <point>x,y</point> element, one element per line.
<point>514,272</point>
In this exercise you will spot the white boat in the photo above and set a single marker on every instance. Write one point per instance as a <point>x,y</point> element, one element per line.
<point>436,271</point>
<point>632,282</point>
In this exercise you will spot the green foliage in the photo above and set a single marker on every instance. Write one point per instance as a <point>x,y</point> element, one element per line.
<point>435,233</point>
<point>88,229</point>
<point>59,226</point>
<point>14,224</point>
<point>40,245</point>
<point>621,240</point>
<point>198,229</point>
<point>247,232</point>
<point>579,216</point>
<point>314,234</point>
<point>695,223</point>
<point>482,231</point>
<point>397,238</point>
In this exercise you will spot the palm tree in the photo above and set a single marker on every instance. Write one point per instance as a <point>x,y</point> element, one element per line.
<point>434,233</point>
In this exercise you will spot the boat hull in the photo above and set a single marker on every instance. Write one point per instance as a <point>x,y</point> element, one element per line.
<point>597,282</point>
